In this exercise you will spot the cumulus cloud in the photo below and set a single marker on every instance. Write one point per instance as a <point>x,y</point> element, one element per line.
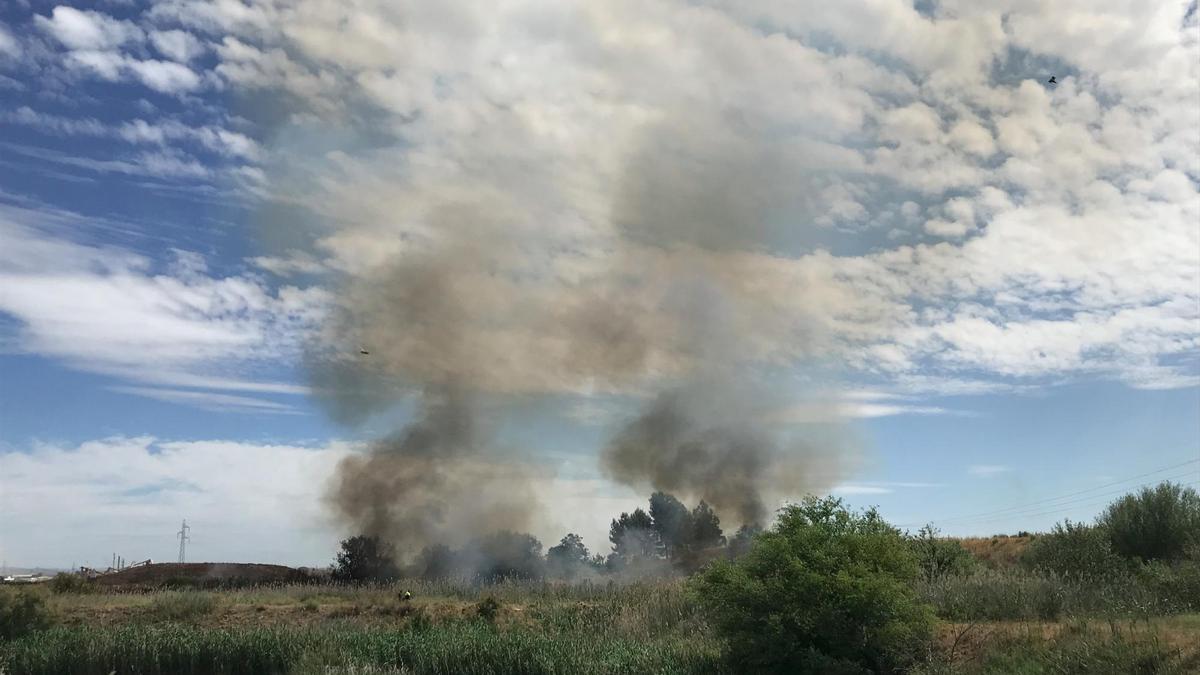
<point>9,46</point>
<point>166,77</point>
<point>87,30</point>
<point>65,502</point>
<point>115,312</point>
<point>1029,231</point>
<point>177,45</point>
<point>1058,233</point>
<point>129,494</point>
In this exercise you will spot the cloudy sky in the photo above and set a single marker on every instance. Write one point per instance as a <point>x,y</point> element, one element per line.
<point>989,283</point>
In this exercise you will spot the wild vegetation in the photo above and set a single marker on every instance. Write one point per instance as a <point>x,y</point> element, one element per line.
<point>824,590</point>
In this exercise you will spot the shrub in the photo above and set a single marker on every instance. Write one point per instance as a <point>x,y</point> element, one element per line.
<point>1160,523</point>
<point>1074,549</point>
<point>1177,584</point>
<point>21,613</point>
<point>364,558</point>
<point>66,582</point>
<point>938,557</point>
<point>488,609</point>
<point>826,590</point>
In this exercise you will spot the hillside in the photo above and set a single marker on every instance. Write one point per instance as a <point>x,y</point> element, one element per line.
<point>201,574</point>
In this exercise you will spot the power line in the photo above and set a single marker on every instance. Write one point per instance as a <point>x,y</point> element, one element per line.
<point>1016,510</point>
<point>1059,501</point>
<point>1055,511</point>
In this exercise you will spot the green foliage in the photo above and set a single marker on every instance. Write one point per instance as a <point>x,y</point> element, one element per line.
<point>1178,582</point>
<point>826,590</point>
<point>364,558</point>
<point>67,582</point>
<point>488,609</point>
<point>436,562</point>
<point>569,559</point>
<point>1078,651</point>
<point>633,535</point>
<point>505,555</point>
<point>706,527</point>
<point>1019,594</point>
<point>182,605</point>
<point>672,523</point>
<point>743,539</point>
<point>21,613</point>
<point>938,557</point>
<point>1159,523</point>
<point>463,647</point>
<point>1074,549</point>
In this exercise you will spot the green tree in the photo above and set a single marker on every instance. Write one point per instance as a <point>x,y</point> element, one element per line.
<point>743,539</point>
<point>1074,549</point>
<point>706,527</point>
<point>437,561</point>
<point>826,590</point>
<point>939,557</point>
<point>1159,523</point>
<point>364,558</point>
<point>633,536</point>
<point>569,559</point>
<point>672,523</point>
<point>506,555</point>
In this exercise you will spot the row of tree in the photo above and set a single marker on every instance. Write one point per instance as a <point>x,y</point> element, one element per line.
<point>668,538</point>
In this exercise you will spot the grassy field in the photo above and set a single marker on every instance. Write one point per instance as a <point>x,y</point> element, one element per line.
<point>539,628</point>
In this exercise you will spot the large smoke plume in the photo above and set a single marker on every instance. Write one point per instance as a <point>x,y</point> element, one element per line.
<point>655,282</point>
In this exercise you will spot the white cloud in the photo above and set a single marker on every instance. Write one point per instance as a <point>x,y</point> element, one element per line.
<point>213,138</point>
<point>849,489</point>
<point>208,400</point>
<point>87,30</point>
<point>67,504</point>
<point>165,76</point>
<point>77,504</point>
<point>1067,213</point>
<point>9,46</point>
<point>987,470</point>
<point>105,65</point>
<point>106,310</point>
<point>177,45</point>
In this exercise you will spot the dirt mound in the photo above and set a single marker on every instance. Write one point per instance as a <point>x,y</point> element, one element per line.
<point>201,575</point>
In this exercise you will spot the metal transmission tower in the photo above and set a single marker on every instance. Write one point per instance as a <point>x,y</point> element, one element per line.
<point>183,539</point>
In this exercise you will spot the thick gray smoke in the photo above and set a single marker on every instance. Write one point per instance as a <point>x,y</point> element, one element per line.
<point>673,298</point>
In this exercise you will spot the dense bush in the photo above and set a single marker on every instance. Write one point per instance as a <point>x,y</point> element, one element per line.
<point>364,558</point>
<point>938,557</point>
<point>1074,549</point>
<point>66,582</point>
<point>21,613</point>
<point>1159,523</point>
<point>824,591</point>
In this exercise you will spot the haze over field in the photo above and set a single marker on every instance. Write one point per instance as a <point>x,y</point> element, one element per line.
<point>297,270</point>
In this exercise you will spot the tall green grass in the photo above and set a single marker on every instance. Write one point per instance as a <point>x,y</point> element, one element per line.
<point>182,605</point>
<point>1079,650</point>
<point>1000,595</point>
<point>464,647</point>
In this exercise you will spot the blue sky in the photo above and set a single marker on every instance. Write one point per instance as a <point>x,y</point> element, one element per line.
<point>875,236</point>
